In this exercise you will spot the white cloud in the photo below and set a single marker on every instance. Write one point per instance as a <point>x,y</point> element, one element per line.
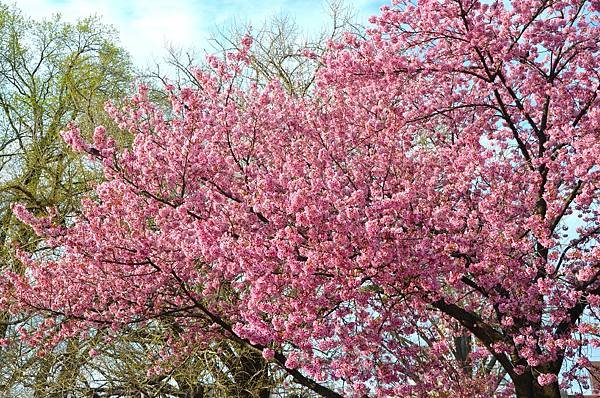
<point>146,26</point>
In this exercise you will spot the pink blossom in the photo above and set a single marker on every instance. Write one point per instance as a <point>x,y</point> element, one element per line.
<point>546,378</point>
<point>268,354</point>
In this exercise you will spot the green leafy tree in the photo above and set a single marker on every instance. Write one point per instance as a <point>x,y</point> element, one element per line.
<point>51,72</point>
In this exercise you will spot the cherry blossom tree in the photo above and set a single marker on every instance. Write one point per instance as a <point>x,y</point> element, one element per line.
<point>425,224</point>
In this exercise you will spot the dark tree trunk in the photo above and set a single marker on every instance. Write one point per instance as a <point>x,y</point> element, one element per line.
<point>463,346</point>
<point>526,386</point>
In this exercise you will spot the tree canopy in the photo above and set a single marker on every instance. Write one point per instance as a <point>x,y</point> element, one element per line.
<point>427,222</point>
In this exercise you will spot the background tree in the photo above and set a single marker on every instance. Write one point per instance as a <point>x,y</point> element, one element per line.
<point>281,51</point>
<point>51,72</point>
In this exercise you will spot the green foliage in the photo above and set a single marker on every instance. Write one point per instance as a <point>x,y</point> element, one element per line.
<point>51,72</point>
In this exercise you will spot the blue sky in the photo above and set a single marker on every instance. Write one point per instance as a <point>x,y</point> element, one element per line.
<point>147,26</point>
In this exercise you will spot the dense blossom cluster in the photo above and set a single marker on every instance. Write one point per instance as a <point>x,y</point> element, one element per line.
<point>439,187</point>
